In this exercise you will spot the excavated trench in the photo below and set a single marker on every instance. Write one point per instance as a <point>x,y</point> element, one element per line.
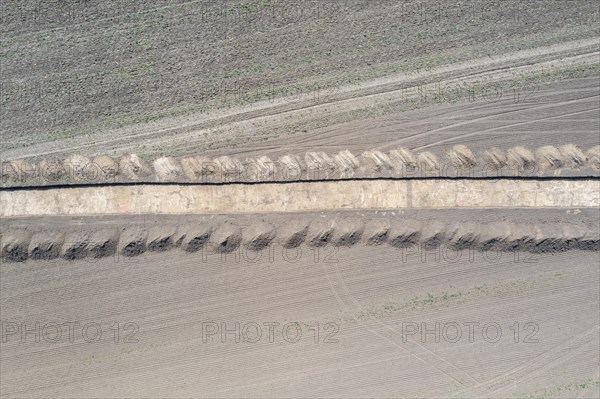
<point>548,178</point>
<point>295,198</point>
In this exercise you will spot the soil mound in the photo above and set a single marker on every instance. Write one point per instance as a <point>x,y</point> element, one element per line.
<point>376,231</point>
<point>573,156</point>
<point>9,172</point>
<point>167,168</point>
<point>319,165</point>
<point>194,237</point>
<point>15,245</point>
<point>226,238</point>
<point>293,233</point>
<point>161,238</point>
<point>433,234</point>
<point>103,243</point>
<point>347,163</point>
<point>191,168</point>
<point>133,241</point>
<point>259,236</point>
<point>405,233</point>
<point>404,159</point>
<point>78,167</point>
<point>376,161</point>
<point>51,169</point>
<point>591,239</point>
<point>494,236</point>
<point>549,237</point>
<point>464,235</point>
<point>347,232</point>
<point>593,156</point>
<point>291,167</point>
<point>521,160</point>
<point>200,168</point>
<point>46,245</point>
<point>259,169</point>
<point>494,158</point>
<point>320,232</point>
<point>522,238</point>
<point>230,168</point>
<point>549,157</point>
<point>133,168</point>
<point>572,235</point>
<point>19,170</point>
<point>108,168</point>
<point>461,157</point>
<point>428,163</point>
<point>75,245</point>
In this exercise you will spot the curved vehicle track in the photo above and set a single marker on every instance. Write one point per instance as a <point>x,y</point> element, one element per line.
<point>237,127</point>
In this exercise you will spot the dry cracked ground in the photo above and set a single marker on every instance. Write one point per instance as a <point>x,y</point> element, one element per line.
<point>372,303</point>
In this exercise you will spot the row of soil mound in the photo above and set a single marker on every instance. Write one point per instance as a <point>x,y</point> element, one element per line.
<point>458,160</point>
<point>19,244</point>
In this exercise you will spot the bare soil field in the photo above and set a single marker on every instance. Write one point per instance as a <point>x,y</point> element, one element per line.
<point>516,326</point>
<point>376,295</point>
<point>533,115</point>
<point>547,114</point>
<point>102,72</point>
<point>308,321</point>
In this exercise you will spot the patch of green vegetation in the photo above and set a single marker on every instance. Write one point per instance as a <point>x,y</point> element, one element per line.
<point>276,92</point>
<point>445,297</point>
<point>444,57</point>
<point>521,87</point>
<point>251,6</point>
<point>313,71</point>
<point>562,389</point>
<point>417,302</point>
<point>8,53</point>
<point>549,76</point>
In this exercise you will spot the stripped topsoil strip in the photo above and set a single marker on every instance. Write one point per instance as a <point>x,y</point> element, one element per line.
<point>22,244</point>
